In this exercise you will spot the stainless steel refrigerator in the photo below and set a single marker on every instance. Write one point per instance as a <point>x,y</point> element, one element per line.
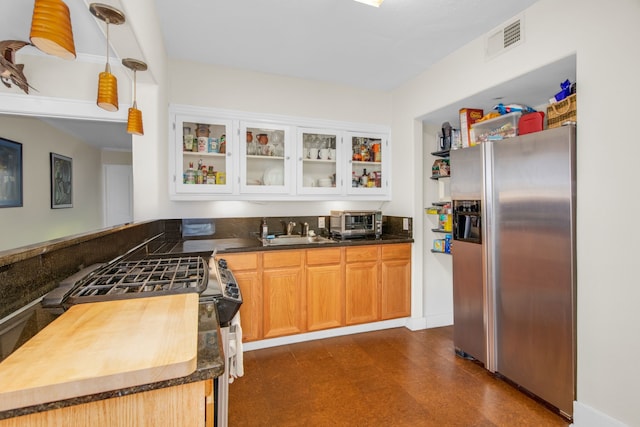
<point>514,260</point>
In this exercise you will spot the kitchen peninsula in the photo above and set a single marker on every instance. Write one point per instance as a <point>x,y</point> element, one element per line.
<point>116,358</point>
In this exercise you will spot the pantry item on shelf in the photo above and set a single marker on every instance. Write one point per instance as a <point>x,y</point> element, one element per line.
<point>468,116</point>
<point>565,90</point>
<point>203,144</point>
<point>532,122</point>
<point>513,108</point>
<point>496,129</point>
<point>202,130</point>
<point>249,136</point>
<point>562,112</point>
<point>187,139</point>
<point>214,145</point>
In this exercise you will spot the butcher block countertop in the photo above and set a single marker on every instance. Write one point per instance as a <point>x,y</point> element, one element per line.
<point>100,347</point>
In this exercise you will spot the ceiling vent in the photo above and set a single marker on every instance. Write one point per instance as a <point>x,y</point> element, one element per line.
<point>505,37</point>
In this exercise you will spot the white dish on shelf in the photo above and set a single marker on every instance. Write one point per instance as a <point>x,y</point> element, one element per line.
<point>273,176</point>
<point>324,182</point>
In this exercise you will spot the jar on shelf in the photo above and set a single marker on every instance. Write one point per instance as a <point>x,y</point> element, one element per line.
<point>187,139</point>
<point>190,175</point>
<point>203,130</point>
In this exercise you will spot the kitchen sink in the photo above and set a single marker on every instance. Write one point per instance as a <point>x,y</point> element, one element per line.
<point>296,240</point>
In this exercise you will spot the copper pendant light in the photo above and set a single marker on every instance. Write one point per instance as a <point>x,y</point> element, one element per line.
<point>51,29</point>
<point>134,120</point>
<point>107,82</point>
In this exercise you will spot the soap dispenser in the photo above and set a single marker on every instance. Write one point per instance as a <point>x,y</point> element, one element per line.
<point>265,229</point>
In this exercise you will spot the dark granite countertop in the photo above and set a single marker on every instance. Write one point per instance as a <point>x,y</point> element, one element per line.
<point>210,364</point>
<point>234,245</point>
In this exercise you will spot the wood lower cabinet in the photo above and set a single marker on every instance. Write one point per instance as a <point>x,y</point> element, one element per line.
<point>283,293</point>
<point>289,292</point>
<point>246,269</point>
<point>325,289</point>
<point>395,298</point>
<point>182,405</point>
<point>362,287</point>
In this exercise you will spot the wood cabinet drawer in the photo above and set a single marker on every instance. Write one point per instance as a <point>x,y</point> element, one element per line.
<point>400,251</point>
<point>276,259</point>
<point>323,256</point>
<point>239,262</point>
<point>362,253</point>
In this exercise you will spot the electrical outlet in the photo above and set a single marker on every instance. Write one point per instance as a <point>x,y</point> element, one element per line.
<point>405,223</point>
<point>320,222</point>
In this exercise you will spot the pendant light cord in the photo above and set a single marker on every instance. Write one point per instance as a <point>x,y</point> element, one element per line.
<point>107,68</point>
<point>135,104</point>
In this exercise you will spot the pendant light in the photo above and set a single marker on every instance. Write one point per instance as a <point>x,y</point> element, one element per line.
<point>134,120</point>
<point>51,29</point>
<point>107,82</point>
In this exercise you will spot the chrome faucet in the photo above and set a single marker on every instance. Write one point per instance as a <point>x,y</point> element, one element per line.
<point>288,227</point>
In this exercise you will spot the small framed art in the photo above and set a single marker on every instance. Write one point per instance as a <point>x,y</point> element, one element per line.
<point>10,174</point>
<point>61,181</point>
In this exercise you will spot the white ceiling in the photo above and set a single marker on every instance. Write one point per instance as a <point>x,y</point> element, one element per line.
<point>337,41</point>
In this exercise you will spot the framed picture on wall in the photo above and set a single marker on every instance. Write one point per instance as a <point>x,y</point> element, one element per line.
<point>61,182</point>
<point>10,174</point>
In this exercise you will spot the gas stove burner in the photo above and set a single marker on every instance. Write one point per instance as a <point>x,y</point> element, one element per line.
<point>139,278</point>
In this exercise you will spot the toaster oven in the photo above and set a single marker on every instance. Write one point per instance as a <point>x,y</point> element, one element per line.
<point>353,224</point>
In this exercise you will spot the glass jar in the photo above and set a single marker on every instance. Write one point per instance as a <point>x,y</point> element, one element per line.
<point>203,131</point>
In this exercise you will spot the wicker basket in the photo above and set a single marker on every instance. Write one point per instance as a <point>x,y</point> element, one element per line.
<point>560,112</point>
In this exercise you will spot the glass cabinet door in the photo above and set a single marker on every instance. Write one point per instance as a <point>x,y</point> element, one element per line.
<point>319,155</point>
<point>265,158</point>
<point>368,159</point>
<point>203,155</point>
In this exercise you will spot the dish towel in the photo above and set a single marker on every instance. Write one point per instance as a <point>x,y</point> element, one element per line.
<point>235,359</point>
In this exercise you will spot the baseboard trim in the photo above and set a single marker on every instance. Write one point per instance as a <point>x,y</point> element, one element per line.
<point>586,416</point>
<point>439,320</point>
<point>328,333</point>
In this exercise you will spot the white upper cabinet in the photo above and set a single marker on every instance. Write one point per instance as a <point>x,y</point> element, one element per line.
<point>265,158</point>
<point>203,161</point>
<point>226,155</point>
<point>320,158</point>
<point>368,163</point>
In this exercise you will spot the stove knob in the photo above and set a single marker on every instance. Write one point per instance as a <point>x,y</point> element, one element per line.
<point>222,263</point>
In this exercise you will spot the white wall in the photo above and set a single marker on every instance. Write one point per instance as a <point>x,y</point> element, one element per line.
<point>35,221</point>
<point>604,36</point>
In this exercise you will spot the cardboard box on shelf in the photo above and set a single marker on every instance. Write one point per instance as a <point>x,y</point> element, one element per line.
<point>468,116</point>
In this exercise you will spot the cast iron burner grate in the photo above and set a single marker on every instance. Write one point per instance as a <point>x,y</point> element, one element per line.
<point>142,278</point>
